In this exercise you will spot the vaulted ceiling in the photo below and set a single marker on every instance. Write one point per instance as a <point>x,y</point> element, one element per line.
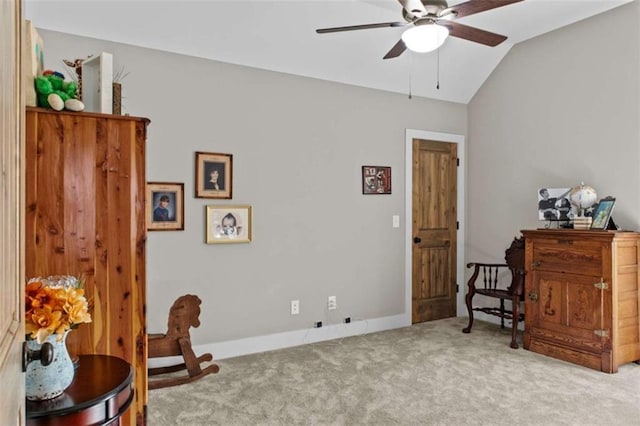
<point>280,36</point>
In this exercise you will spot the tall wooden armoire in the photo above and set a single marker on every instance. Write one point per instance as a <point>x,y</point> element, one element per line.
<point>85,199</point>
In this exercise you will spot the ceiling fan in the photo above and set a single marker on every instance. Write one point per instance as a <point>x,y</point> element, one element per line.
<point>432,21</point>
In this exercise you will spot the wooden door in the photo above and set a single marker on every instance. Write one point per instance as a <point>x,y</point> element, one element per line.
<point>434,220</point>
<point>11,275</point>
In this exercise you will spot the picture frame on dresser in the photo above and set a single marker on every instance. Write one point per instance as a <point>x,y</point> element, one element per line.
<point>554,204</point>
<point>602,213</point>
<point>97,87</point>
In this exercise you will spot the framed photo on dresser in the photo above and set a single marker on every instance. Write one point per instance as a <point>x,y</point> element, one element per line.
<point>602,213</point>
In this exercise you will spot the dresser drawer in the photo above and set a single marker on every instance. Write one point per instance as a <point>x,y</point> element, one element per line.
<point>568,255</point>
<point>565,353</point>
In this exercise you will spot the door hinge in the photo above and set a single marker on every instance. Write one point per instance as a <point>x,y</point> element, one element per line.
<point>457,162</point>
<point>601,285</point>
<point>457,225</point>
<point>601,333</point>
<point>457,288</point>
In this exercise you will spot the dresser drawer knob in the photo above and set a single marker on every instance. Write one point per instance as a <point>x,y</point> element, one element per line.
<point>533,297</point>
<point>536,264</point>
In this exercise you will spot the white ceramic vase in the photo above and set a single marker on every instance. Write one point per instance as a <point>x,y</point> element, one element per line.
<point>47,382</point>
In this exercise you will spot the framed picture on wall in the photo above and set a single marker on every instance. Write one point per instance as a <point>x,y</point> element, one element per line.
<point>165,206</point>
<point>214,175</point>
<point>376,180</point>
<point>229,224</point>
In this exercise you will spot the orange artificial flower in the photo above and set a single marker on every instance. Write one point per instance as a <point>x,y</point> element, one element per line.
<point>53,306</point>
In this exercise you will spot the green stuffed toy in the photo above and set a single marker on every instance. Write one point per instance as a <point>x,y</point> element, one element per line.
<point>55,93</point>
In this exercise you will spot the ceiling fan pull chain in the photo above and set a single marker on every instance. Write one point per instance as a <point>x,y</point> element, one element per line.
<point>410,71</point>
<point>438,70</point>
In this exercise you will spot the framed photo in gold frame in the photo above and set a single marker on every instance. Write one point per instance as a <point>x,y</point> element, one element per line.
<point>165,206</point>
<point>214,175</point>
<point>228,224</point>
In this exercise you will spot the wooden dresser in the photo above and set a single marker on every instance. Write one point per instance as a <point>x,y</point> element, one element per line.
<point>85,197</point>
<point>581,296</point>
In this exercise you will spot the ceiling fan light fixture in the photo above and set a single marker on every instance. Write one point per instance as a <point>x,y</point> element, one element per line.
<point>425,38</point>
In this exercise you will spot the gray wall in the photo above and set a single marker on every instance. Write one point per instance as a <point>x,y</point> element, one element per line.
<point>298,145</point>
<point>560,109</point>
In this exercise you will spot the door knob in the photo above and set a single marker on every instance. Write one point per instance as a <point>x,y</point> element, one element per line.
<point>417,240</point>
<point>45,355</point>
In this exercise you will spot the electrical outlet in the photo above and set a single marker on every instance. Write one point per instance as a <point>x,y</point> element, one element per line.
<point>347,320</point>
<point>295,307</point>
<point>317,324</point>
<point>332,303</point>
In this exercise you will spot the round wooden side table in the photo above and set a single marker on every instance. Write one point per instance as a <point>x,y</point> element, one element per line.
<point>100,393</point>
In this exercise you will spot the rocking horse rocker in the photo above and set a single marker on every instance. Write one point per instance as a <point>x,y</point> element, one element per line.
<point>183,314</point>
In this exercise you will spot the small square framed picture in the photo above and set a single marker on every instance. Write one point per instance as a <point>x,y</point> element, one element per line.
<point>376,180</point>
<point>165,206</point>
<point>229,224</point>
<point>214,175</point>
<point>602,213</point>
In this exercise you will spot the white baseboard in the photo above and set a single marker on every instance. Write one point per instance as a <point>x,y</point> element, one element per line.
<point>251,345</point>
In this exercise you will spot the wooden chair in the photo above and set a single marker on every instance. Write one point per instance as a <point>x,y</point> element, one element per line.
<point>491,285</point>
<point>184,314</point>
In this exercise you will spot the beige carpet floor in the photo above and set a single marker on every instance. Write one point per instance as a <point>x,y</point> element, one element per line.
<point>426,374</point>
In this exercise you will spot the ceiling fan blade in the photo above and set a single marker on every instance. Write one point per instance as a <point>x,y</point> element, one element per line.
<point>360,27</point>
<point>472,34</point>
<point>475,6</point>
<point>396,50</point>
<point>413,7</point>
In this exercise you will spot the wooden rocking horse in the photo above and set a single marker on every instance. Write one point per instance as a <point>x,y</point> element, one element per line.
<point>184,314</point>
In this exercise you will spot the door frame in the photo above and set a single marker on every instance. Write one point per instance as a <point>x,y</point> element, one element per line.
<point>12,407</point>
<point>410,135</point>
